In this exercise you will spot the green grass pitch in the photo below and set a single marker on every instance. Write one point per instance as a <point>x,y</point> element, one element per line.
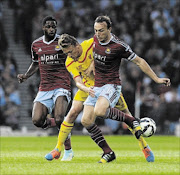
<point>25,155</point>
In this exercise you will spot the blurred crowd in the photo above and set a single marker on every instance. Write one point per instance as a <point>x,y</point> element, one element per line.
<point>150,27</point>
<point>9,95</point>
<point>10,101</point>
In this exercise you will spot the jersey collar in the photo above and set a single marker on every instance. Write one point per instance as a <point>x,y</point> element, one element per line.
<point>49,41</point>
<point>106,42</point>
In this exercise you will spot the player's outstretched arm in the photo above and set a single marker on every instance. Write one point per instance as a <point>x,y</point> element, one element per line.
<point>31,70</point>
<point>144,66</point>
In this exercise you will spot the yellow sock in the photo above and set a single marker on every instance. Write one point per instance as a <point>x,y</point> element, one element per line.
<point>141,140</point>
<point>63,133</point>
<point>142,143</point>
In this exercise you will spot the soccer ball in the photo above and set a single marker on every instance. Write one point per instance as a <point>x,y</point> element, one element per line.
<point>148,126</point>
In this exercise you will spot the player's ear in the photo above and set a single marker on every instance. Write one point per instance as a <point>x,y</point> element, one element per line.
<point>43,28</point>
<point>78,45</point>
<point>110,29</point>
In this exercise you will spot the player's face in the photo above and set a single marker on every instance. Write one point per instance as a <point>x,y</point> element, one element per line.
<point>73,51</point>
<point>102,33</point>
<point>50,29</point>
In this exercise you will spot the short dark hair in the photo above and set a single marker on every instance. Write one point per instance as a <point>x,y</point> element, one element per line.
<point>66,40</point>
<point>48,18</point>
<point>104,19</point>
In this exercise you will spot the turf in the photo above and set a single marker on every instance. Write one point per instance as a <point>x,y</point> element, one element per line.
<point>25,155</point>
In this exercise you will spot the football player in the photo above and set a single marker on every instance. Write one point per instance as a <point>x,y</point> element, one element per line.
<point>55,86</point>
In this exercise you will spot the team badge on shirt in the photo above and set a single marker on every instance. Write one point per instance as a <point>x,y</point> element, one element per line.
<point>57,48</point>
<point>108,51</point>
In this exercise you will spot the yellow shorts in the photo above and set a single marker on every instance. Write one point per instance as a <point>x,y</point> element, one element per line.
<point>121,104</point>
<point>81,96</point>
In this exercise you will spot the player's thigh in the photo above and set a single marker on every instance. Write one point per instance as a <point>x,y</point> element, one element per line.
<point>88,117</point>
<point>101,106</point>
<point>39,112</point>
<point>61,106</point>
<point>76,108</point>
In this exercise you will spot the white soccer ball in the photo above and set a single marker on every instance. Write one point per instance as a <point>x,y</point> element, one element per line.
<point>148,126</point>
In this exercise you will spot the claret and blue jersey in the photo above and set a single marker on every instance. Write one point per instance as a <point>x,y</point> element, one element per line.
<point>107,58</point>
<point>51,62</point>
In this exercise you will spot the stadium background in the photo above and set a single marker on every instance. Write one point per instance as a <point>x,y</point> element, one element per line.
<point>150,27</point>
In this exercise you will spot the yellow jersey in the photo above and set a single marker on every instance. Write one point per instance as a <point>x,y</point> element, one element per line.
<point>78,68</point>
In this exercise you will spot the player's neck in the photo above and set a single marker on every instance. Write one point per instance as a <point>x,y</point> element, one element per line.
<point>109,37</point>
<point>48,38</point>
<point>80,50</point>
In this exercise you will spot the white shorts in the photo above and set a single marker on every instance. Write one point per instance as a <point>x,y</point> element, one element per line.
<point>48,98</point>
<point>110,91</point>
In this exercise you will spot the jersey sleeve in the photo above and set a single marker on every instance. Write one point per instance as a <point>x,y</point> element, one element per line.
<point>33,54</point>
<point>127,52</point>
<point>71,67</point>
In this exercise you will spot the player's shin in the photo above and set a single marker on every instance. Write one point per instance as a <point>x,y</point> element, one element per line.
<point>142,143</point>
<point>67,143</point>
<point>98,138</point>
<point>63,134</point>
<point>116,114</point>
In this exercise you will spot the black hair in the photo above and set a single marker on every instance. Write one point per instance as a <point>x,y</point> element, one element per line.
<point>104,19</point>
<point>48,18</point>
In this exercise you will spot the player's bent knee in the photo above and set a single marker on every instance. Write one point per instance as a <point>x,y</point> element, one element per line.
<point>99,112</point>
<point>86,122</point>
<point>59,120</point>
<point>37,122</point>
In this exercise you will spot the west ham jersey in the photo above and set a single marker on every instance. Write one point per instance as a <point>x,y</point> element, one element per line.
<point>107,58</point>
<point>51,62</point>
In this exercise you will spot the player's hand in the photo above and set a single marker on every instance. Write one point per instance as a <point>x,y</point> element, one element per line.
<point>91,91</point>
<point>165,81</point>
<point>21,78</point>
